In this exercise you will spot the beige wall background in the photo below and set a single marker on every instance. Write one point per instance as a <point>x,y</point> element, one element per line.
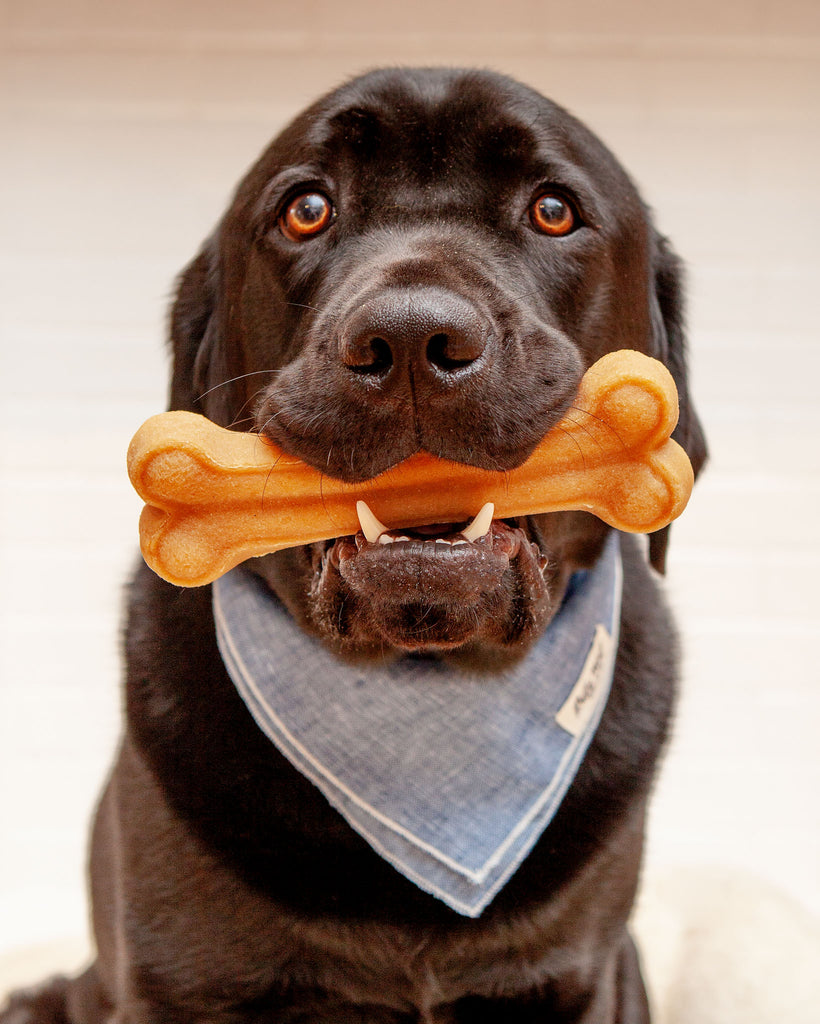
<point>124,128</point>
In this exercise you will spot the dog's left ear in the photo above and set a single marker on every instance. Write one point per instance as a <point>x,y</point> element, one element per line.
<point>196,330</point>
<point>192,325</point>
<point>670,347</point>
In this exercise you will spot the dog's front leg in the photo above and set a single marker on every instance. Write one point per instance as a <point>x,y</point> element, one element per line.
<point>179,937</point>
<point>632,1001</point>
<point>616,995</point>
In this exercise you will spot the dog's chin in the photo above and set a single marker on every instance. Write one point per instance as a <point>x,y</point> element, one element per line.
<point>428,591</point>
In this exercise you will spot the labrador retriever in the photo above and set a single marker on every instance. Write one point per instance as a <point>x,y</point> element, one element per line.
<point>422,260</point>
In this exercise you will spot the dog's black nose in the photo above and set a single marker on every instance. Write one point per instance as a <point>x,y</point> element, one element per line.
<point>429,330</point>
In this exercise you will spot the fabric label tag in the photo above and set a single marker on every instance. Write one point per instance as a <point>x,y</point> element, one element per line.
<point>577,710</point>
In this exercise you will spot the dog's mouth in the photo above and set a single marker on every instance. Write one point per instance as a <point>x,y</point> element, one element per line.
<point>440,563</point>
<point>433,588</point>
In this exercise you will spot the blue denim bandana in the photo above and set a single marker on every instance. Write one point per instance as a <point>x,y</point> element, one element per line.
<point>451,777</point>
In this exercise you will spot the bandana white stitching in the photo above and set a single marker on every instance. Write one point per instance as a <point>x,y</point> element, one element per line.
<point>451,777</point>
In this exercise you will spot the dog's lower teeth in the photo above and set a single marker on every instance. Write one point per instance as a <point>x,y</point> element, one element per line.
<point>386,539</point>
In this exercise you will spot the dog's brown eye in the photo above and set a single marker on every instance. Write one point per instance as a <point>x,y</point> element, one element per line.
<point>306,216</point>
<point>552,215</point>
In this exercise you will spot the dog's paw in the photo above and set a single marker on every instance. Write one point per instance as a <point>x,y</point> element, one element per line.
<point>44,1004</point>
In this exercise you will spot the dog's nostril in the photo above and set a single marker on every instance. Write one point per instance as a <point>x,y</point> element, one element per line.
<point>453,351</point>
<point>402,332</point>
<point>368,355</point>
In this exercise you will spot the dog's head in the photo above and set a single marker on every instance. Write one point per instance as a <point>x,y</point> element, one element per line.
<point>426,259</point>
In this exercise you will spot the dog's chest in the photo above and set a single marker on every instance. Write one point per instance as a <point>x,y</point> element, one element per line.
<point>406,972</point>
<point>494,957</point>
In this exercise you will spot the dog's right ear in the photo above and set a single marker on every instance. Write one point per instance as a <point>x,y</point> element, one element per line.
<point>194,329</point>
<point>667,308</point>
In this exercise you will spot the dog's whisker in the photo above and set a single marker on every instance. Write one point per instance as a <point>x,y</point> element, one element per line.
<point>322,480</point>
<point>267,480</point>
<point>575,441</point>
<point>232,380</point>
<point>582,428</point>
<point>599,420</point>
<point>240,420</point>
<point>339,616</point>
<point>305,305</point>
<point>250,418</point>
<point>525,295</point>
<point>264,426</point>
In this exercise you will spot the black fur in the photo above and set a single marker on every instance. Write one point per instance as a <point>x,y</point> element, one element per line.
<point>225,888</point>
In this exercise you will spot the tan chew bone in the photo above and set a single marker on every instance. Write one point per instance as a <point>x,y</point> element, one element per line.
<point>215,497</point>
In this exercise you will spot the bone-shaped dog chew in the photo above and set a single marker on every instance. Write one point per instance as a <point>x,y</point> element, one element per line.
<point>215,497</point>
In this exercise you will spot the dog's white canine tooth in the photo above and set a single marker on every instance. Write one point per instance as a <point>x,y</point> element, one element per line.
<point>371,527</point>
<point>481,524</point>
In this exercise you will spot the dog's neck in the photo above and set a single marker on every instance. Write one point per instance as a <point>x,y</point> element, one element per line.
<point>451,777</point>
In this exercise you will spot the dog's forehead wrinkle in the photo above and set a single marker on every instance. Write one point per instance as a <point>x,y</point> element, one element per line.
<point>437,131</point>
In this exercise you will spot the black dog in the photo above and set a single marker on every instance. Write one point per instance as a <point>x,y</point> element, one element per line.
<point>423,260</point>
